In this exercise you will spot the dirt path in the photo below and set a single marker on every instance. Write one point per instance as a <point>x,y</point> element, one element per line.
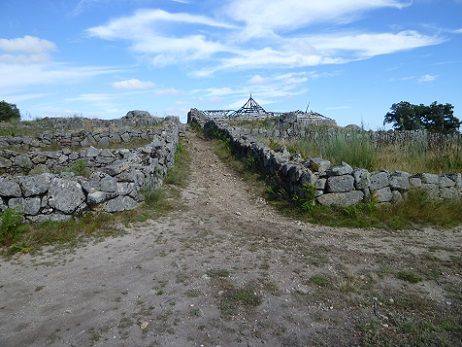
<point>226,270</point>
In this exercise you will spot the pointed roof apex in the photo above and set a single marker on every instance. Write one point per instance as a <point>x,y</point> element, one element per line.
<point>250,108</point>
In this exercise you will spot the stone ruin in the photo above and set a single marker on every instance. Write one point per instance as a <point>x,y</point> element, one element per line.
<point>289,120</point>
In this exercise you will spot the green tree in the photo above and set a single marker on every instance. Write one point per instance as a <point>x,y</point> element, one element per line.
<point>435,117</point>
<point>8,112</point>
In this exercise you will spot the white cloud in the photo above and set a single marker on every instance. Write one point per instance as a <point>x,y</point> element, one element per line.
<point>427,78</point>
<point>366,45</point>
<point>133,84</point>
<point>339,48</point>
<point>25,50</point>
<point>149,33</point>
<point>264,18</point>
<point>257,79</point>
<point>142,30</point>
<point>16,77</point>
<point>167,92</point>
<point>169,50</point>
<point>144,22</point>
<point>27,44</point>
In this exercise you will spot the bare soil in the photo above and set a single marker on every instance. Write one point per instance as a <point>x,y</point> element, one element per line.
<point>226,269</point>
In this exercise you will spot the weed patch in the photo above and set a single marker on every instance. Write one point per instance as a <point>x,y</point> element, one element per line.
<point>11,227</point>
<point>409,276</point>
<point>235,299</point>
<point>218,273</point>
<point>178,174</point>
<point>321,280</point>
<point>79,168</point>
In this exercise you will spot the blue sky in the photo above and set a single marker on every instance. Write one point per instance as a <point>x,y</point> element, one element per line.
<point>350,59</point>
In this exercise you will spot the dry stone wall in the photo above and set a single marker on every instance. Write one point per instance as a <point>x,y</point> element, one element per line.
<point>115,183</point>
<point>14,163</point>
<point>339,185</point>
<point>82,138</point>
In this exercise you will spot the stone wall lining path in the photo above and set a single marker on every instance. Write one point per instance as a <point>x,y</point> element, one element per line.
<point>339,185</point>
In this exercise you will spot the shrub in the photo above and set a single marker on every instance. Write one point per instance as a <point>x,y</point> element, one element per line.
<point>409,276</point>
<point>152,195</point>
<point>8,112</point>
<point>11,226</point>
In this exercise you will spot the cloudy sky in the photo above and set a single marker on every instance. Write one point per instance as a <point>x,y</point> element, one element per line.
<point>349,59</point>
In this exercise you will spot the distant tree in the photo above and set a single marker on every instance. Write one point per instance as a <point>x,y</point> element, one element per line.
<point>435,117</point>
<point>8,112</point>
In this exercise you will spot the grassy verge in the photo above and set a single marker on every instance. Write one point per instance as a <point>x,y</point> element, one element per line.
<point>358,150</point>
<point>16,237</point>
<point>416,211</point>
<point>178,175</point>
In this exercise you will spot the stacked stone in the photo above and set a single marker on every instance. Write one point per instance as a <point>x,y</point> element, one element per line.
<point>81,138</point>
<point>14,163</point>
<point>115,186</point>
<point>339,185</point>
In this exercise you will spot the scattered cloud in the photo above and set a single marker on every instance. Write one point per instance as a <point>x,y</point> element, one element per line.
<point>146,21</point>
<point>25,50</point>
<point>133,84</point>
<point>167,92</point>
<point>19,76</point>
<point>339,48</point>
<point>156,36</point>
<point>26,62</point>
<point>421,79</point>
<point>142,30</point>
<point>264,18</point>
<point>427,78</point>
<point>257,79</point>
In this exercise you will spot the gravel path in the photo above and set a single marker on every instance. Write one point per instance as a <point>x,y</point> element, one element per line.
<point>226,270</point>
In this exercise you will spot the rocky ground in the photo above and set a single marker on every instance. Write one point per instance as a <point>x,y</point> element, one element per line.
<point>226,269</point>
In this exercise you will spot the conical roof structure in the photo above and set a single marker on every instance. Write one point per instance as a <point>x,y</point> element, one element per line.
<point>250,108</point>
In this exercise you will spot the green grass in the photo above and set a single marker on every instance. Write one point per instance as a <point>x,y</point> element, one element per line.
<point>16,237</point>
<point>178,175</point>
<point>79,168</point>
<point>417,210</point>
<point>235,299</point>
<point>320,280</point>
<point>11,227</point>
<point>417,333</point>
<point>409,276</point>
<point>357,149</point>
<point>218,273</point>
